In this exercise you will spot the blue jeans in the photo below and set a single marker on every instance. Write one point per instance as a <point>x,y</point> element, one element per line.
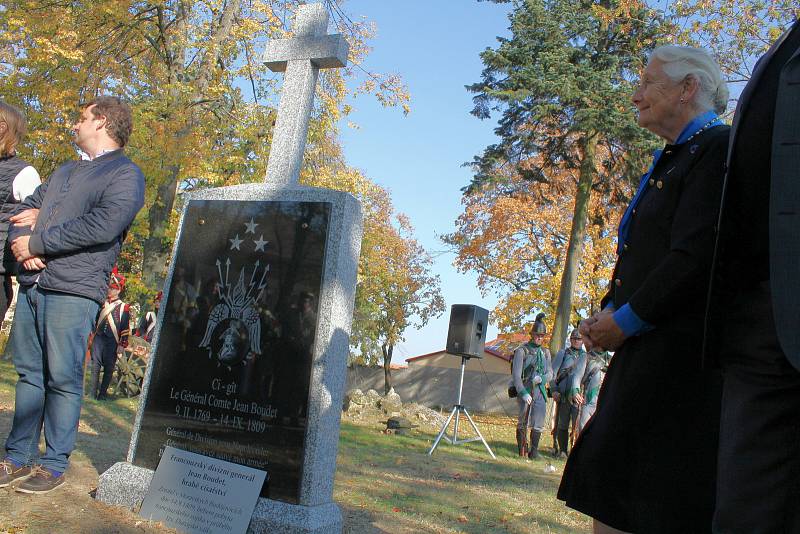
<point>48,343</point>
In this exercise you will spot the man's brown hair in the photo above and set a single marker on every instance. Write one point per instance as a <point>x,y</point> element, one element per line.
<point>119,122</point>
<point>16,126</point>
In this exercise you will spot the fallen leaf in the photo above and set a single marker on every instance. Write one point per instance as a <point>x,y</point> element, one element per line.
<point>462,519</point>
<point>395,509</point>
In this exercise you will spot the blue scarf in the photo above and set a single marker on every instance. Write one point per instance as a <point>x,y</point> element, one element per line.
<point>708,119</point>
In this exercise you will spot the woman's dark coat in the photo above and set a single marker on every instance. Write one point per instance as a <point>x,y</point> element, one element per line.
<point>646,461</point>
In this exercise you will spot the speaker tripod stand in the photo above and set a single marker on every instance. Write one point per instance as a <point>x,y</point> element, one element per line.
<point>458,409</point>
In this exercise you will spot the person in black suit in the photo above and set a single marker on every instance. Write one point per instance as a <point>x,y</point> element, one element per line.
<point>646,461</point>
<point>752,328</point>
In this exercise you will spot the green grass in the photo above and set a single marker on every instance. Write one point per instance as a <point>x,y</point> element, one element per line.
<point>104,430</point>
<point>120,409</point>
<point>3,341</point>
<point>388,482</point>
<point>8,379</point>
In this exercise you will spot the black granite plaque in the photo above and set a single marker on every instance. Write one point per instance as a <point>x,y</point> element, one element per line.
<point>232,367</point>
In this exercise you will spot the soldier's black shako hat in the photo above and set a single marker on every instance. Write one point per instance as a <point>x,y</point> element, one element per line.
<point>538,325</point>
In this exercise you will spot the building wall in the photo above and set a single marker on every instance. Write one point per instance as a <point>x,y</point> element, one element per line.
<point>489,363</point>
<point>437,387</point>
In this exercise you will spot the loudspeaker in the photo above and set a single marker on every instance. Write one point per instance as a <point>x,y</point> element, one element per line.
<point>467,333</point>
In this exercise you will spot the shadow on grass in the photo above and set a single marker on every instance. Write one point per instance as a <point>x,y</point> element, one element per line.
<point>106,430</point>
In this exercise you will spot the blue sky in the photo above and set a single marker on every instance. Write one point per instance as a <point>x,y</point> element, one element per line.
<point>435,47</point>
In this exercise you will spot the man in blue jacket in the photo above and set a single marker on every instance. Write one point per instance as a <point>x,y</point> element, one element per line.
<point>67,239</point>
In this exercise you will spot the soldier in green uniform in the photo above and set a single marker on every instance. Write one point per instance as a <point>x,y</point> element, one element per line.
<point>530,371</point>
<point>594,367</point>
<point>565,386</point>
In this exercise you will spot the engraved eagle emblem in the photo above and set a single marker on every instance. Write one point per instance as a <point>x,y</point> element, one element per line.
<point>236,311</point>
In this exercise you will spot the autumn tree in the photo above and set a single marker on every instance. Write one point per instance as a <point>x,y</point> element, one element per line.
<point>203,103</point>
<point>514,235</point>
<point>405,294</point>
<point>396,290</point>
<point>736,32</point>
<point>562,84</point>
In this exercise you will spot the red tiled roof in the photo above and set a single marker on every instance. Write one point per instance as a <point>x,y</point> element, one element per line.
<point>519,337</point>
<point>505,344</point>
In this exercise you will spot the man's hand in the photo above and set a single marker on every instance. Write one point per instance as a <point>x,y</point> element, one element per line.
<point>20,248</point>
<point>584,328</point>
<point>25,218</point>
<point>578,400</point>
<point>34,263</point>
<point>605,332</point>
<point>556,395</point>
<point>527,398</point>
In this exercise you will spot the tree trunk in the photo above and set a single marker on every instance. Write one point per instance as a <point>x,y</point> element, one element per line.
<point>387,349</point>
<point>575,247</point>
<point>156,246</point>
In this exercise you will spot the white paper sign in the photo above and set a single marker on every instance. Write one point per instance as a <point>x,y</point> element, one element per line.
<point>202,495</point>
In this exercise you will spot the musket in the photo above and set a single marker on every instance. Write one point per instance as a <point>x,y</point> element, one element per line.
<point>525,429</point>
<point>580,406</point>
<point>563,373</point>
<point>552,416</point>
<point>575,427</point>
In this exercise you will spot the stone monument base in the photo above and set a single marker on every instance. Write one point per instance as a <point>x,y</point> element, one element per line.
<point>125,484</point>
<point>280,517</point>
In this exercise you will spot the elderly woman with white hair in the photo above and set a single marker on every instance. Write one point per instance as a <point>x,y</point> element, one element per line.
<point>646,460</point>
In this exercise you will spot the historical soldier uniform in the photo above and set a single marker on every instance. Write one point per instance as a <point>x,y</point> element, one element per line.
<point>567,373</point>
<point>147,324</point>
<point>593,365</point>
<point>110,337</point>
<point>530,371</point>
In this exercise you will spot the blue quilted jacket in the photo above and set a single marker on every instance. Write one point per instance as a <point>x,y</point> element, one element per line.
<point>85,211</point>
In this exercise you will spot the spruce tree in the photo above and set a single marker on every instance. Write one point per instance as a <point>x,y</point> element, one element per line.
<point>562,83</point>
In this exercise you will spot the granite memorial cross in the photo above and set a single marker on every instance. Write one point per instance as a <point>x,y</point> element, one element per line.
<point>301,58</point>
<point>249,356</point>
